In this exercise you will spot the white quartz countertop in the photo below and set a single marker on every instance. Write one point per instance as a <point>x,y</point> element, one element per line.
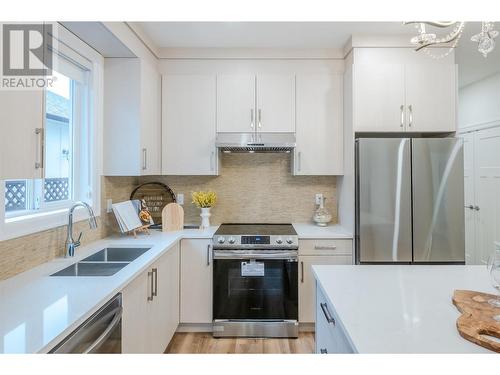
<point>37,311</point>
<point>401,309</point>
<point>313,231</point>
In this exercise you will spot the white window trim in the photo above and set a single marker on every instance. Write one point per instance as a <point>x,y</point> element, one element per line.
<point>28,224</point>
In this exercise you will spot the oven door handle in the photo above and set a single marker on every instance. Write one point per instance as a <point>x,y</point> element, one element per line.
<point>281,255</point>
<point>107,332</point>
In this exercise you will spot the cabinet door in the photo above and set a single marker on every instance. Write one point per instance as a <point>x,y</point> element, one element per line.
<point>469,199</point>
<point>165,306</point>
<point>430,97</point>
<point>21,113</point>
<point>379,98</point>
<point>275,103</point>
<point>188,124</point>
<point>307,283</point>
<point>136,320</point>
<point>487,187</point>
<point>319,133</point>
<point>150,120</point>
<point>196,281</point>
<point>236,103</point>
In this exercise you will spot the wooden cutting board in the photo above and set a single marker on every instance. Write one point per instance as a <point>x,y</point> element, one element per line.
<point>172,217</point>
<point>476,322</point>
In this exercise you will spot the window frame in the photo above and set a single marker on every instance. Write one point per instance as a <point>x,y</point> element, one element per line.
<point>55,214</point>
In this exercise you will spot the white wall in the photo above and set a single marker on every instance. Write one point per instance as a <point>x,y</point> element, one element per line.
<point>479,103</point>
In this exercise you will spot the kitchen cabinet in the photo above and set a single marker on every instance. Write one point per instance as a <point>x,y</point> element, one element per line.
<point>196,281</point>
<point>317,252</point>
<point>319,133</point>
<point>132,126</point>
<point>189,125</point>
<point>151,306</point>
<point>482,193</point>
<point>21,121</point>
<point>330,336</point>
<point>262,103</point>
<point>404,97</point>
<point>236,103</point>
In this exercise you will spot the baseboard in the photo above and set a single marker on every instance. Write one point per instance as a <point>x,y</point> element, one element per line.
<point>207,327</point>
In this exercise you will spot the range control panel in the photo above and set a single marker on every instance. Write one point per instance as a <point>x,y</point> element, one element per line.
<point>255,240</point>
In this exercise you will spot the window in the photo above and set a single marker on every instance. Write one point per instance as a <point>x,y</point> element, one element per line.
<point>66,148</point>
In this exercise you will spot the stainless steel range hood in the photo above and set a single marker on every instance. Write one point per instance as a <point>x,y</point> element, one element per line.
<point>255,142</point>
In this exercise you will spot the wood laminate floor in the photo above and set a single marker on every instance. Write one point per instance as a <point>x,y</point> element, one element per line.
<point>204,343</point>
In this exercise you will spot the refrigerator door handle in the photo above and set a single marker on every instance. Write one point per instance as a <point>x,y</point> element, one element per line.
<point>398,197</point>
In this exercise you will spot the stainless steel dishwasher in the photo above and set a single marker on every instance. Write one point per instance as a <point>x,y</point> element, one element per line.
<point>101,333</point>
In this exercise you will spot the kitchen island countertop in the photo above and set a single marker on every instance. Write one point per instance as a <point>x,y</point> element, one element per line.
<point>401,308</point>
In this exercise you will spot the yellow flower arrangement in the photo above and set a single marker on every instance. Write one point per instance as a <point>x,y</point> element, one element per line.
<point>204,199</point>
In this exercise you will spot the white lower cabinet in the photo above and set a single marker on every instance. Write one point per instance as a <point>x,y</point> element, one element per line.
<point>330,337</point>
<point>317,252</point>
<point>151,306</point>
<point>196,281</point>
<point>307,283</point>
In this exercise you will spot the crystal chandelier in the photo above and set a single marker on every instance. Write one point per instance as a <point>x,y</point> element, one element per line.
<point>485,39</point>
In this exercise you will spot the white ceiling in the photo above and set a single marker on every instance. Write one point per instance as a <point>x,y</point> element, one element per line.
<point>264,34</point>
<point>472,65</point>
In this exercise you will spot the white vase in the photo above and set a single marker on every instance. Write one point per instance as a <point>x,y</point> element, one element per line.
<point>205,218</point>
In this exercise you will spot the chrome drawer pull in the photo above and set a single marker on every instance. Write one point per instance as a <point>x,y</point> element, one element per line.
<point>323,351</point>
<point>155,272</point>
<point>324,247</point>
<point>327,314</point>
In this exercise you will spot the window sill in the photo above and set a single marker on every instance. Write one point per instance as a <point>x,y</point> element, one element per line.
<point>28,224</point>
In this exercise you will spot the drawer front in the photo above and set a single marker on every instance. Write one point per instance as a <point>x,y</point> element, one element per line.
<point>325,247</point>
<point>330,337</point>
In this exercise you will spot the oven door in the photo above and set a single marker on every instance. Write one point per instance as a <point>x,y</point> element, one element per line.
<point>255,285</point>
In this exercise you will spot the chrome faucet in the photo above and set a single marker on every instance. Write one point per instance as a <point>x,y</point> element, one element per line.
<point>71,244</point>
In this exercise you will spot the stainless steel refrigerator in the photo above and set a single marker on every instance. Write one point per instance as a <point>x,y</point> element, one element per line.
<point>409,200</point>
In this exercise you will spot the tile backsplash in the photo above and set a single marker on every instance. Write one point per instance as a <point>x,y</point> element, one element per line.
<point>250,188</point>
<point>255,188</point>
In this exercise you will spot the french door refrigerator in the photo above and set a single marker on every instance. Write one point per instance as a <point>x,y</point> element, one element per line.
<point>409,200</point>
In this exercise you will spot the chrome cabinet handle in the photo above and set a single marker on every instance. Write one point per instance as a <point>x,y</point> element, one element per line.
<point>155,273</point>
<point>470,207</point>
<point>321,247</point>
<point>212,157</point>
<point>299,161</point>
<point>476,208</point>
<point>150,297</point>
<point>402,109</point>
<point>327,314</point>
<point>323,351</point>
<point>302,272</point>
<point>208,254</point>
<point>410,108</point>
<point>40,148</point>
<point>260,118</point>
<point>144,159</point>
<point>251,119</point>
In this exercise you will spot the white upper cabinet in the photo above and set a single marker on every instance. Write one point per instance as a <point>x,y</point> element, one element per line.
<point>21,126</point>
<point>379,98</point>
<point>132,125</point>
<point>275,103</point>
<point>430,97</point>
<point>404,97</point>
<point>262,103</point>
<point>189,125</point>
<point>235,103</point>
<point>319,132</point>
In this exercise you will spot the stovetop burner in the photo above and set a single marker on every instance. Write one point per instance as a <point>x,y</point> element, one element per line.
<point>255,236</point>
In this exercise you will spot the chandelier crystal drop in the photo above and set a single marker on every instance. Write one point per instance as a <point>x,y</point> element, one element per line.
<point>425,39</point>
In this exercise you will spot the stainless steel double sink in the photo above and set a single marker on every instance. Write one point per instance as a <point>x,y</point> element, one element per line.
<point>105,262</point>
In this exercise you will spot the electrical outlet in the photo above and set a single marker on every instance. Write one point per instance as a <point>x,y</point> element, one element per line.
<point>318,198</point>
<point>109,207</point>
<point>180,198</point>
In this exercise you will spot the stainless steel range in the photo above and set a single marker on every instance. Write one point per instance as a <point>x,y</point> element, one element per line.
<point>255,281</point>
